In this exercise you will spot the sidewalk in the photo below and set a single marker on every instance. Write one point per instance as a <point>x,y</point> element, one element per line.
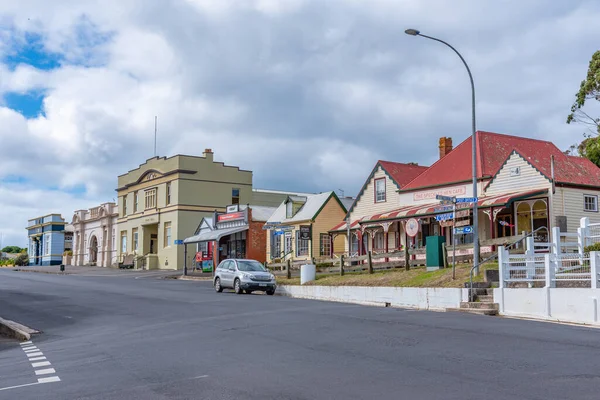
<point>95,271</point>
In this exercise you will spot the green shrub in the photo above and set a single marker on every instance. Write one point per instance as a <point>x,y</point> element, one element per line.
<point>68,253</point>
<point>21,260</point>
<point>324,265</point>
<point>592,247</point>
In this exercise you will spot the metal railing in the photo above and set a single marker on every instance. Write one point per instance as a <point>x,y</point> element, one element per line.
<point>495,255</point>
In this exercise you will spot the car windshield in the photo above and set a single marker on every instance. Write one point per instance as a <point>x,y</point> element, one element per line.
<point>250,266</point>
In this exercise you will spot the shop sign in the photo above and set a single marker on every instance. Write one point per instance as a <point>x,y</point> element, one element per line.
<point>464,222</point>
<point>305,232</point>
<point>231,216</point>
<point>463,213</point>
<point>233,208</point>
<point>449,192</point>
<point>412,227</point>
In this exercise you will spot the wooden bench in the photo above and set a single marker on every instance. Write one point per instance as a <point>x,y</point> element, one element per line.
<point>127,262</point>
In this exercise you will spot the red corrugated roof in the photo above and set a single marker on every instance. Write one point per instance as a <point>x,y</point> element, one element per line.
<point>493,149</point>
<point>402,173</point>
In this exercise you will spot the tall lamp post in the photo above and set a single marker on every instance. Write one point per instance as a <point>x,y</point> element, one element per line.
<point>414,32</point>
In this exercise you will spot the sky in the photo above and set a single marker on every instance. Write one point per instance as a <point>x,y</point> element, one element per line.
<point>308,94</point>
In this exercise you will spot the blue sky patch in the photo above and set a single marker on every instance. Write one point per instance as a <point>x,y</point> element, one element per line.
<point>29,104</point>
<point>31,52</point>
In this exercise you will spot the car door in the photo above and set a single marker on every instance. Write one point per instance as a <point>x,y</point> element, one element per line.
<point>225,274</point>
<point>232,272</point>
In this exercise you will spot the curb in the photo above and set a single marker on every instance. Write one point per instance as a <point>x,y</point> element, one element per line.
<point>16,330</point>
<point>42,272</point>
<point>191,278</point>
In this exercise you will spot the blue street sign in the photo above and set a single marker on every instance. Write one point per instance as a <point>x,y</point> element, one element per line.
<point>445,198</point>
<point>466,199</point>
<point>178,241</point>
<point>463,230</point>
<point>443,217</point>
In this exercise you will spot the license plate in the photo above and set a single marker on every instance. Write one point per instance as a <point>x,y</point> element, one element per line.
<point>263,284</point>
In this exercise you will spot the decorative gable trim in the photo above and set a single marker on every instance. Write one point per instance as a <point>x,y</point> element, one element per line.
<point>514,152</point>
<point>364,187</point>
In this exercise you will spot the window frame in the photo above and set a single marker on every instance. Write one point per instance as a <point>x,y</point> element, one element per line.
<point>590,196</point>
<point>136,199</point>
<point>289,209</point>
<point>167,239</point>
<point>150,194</point>
<point>124,205</point>
<point>377,180</point>
<point>300,249</point>
<point>134,239</point>
<point>235,199</point>
<point>47,244</point>
<point>123,242</point>
<point>168,194</point>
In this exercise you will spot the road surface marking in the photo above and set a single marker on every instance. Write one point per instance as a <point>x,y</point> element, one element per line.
<point>45,371</point>
<point>201,376</point>
<point>28,347</point>
<point>40,364</point>
<point>49,379</point>
<point>31,350</point>
<point>20,386</point>
<point>35,354</point>
<point>37,359</point>
<point>25,343</point>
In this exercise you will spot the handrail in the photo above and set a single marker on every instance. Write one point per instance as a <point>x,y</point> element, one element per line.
<point>494,256</point>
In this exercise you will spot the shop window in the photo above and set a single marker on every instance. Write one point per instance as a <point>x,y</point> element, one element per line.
<point>135,239</point>
<point>235,196</point>
<point>590,203</point>
<point>379,190</point>
<point>135,202</point>
<point>275,245</point>
<point>236,245</point>
<point>168,201</point>
<point>325,244</point>
<point>301,245</point>
<point>123,242</point>
<point>150,197</point>
<point>288,242</point>
<point>47,245</point>
<point>167,234</point>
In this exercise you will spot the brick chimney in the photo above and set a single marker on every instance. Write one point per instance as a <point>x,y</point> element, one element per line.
<point>445,146</point>
<point>208,154</point>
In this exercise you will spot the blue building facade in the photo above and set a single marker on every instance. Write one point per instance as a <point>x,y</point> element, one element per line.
<point>46,240</point>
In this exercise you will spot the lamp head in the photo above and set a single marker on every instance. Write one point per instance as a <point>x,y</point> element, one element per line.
<point>412,32</point>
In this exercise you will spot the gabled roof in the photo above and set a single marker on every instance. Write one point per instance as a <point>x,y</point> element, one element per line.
<point>309,211</point>
<point>493,149</point>
<point>399,173</point>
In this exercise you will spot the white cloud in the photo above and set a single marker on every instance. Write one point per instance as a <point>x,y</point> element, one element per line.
<point>306,93</point>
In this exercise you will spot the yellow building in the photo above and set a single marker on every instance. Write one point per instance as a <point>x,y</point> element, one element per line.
<point>298,229</point>
<point>164,199</point>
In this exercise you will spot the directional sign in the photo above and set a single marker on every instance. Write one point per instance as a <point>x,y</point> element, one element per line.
<point>466,199</point>
<point>446,198</point>
<point>178,241</point>
<point>443,217</point>
<point>463,230</point>
<point>442,209</point>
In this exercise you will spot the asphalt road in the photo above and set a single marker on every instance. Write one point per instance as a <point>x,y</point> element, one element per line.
<point>118,337</point>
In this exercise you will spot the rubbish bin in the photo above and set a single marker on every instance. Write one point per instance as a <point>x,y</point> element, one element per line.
<point>434,252</point>
<point>308,272</point>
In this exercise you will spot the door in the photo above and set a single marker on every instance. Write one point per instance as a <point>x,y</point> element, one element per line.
<point>225,274</point>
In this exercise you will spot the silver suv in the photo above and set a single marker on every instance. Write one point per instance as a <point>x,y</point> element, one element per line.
<point>243,275</point>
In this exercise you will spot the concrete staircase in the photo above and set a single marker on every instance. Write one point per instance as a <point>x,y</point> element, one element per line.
<point>483,304</point>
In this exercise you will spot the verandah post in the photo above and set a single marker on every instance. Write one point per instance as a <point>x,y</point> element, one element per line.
<point>288,268</point>
<point>370,262</point>
<point>342,265</point>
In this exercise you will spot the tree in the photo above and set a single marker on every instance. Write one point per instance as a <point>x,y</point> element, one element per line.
<point>22,260</point>
<point>588,90</point>
<point>13,250</point>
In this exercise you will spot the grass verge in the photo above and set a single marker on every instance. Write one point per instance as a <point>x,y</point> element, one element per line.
<point>416,277</point>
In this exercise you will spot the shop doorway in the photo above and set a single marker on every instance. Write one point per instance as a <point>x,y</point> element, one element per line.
<point>93,250</point>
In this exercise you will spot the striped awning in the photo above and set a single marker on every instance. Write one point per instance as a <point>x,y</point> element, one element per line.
<point>437,208</point>
<point>342,227</point>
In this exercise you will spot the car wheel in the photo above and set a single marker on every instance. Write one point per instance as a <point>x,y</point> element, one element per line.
<point>218,287</point>
<point>271,292</point>
<point>237,287</point>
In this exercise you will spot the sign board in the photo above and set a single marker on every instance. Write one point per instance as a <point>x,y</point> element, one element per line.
<point>199,256</point>
<point>278,233</point>
<point>463,213</point>
<point>305,232</point>
<point>233,208</point>
<point>444,198</point>
<point>231,216</point>
<point>412,227</point>
<point>463,222</point>
<point>447,223</point>
<point>443,217</point>
<point>466,199</point>
<point>429,195</point>
<point>178,241</point>
<point>442,209</point>
<point>463,230</point>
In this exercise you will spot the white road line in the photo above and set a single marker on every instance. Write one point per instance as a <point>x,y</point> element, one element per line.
<point>35,354</point>
<point>201,376</point>
<point>20,386</point>
<point>31,350</point>
<point>49,379</point>
<point>37,359</point>
<point>40,364</point>
<point>45,371</point>
<point>26,343</point>
<point>29,347</point>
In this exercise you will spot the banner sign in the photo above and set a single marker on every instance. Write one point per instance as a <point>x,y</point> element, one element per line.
<point>305,232</point>
<point>231,216</point>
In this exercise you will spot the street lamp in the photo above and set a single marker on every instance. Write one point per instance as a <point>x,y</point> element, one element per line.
<point>414,32</point>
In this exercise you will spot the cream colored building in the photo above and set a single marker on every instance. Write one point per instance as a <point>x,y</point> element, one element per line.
<point>94,238</point>
<point>164,199</point>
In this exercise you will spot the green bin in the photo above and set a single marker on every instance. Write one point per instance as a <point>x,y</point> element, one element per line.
<point>434,252</point>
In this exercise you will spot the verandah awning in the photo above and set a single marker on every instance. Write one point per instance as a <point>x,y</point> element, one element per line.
<point>343,227</point>
<point>214,234</point>
<point>430,208</point>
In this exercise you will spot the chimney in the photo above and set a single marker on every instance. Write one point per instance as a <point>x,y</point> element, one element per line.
<point>445,146</point>
<point>413,163</point>
<point>208,154</point>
